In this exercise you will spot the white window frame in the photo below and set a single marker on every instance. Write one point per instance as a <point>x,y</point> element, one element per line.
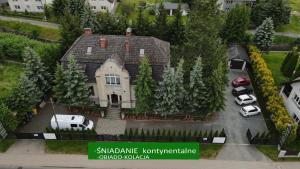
<point>112,79</point>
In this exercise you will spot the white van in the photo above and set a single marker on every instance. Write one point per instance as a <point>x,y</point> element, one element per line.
<point>75,122</point>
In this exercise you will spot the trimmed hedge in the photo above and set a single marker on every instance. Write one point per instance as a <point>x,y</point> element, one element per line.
<point>264,81</point>
<point>12,46</point>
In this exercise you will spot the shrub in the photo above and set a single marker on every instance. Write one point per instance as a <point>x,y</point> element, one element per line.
<point>13,46</point>
<point>274,103</point>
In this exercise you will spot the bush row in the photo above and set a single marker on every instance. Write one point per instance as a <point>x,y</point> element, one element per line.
<point>12,46</point>
<point>261,138</point>
<point>264,81</point>
<point>171,135</point>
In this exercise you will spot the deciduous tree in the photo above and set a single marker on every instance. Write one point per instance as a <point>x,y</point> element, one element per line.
<point>7,119</point>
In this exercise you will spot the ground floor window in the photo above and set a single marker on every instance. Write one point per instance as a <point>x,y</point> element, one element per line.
<point>92,91</point>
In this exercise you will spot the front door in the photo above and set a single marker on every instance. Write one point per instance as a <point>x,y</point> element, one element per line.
<point>114,99</point>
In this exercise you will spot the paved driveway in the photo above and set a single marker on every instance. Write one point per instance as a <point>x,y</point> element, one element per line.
<point>234,124</point>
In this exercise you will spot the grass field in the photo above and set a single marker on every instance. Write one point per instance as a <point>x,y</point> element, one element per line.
<point>294,25</point>
<point>9,75</point>
<point>274,61</point>
<point>45,33</point>
<point>5,144</point>
<point>207,151</point>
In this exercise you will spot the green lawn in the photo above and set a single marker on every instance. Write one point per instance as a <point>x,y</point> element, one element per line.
<point>26,28</point>
<point>295,5</point>
<point>207,151</point>
<point>66,147</point>
<point>293,26</point>
<point>5,144</point>
<point>272,153</point>
<point>274,61</point>
<point>210,151</point>
<point>9,75</point>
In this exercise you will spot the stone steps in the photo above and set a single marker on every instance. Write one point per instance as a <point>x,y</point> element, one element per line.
<point>113,113</point>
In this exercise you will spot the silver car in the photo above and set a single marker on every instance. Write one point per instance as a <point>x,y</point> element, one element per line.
<point>245,99</point>
<point>250,110</point>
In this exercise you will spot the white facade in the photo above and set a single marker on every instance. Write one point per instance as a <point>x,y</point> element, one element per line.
<point>38,5</point>
<point>28,5</point>
<point>227,5</point>
<point>291,97</point>
<point>102,5</point>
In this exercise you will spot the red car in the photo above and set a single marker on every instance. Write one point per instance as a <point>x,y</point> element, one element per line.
<point>240,81</point>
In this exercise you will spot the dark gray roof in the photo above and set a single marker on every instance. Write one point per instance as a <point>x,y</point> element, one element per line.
<point>157,50</point>
<point>170,5</point>
<point>3,1</point>
<point>237,52</point>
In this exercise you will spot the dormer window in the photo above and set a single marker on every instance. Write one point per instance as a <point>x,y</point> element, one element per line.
<point>142,52</point>
<point>89,51</point>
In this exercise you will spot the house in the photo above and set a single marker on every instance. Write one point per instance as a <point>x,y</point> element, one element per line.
<point>238,58</point>
<point>38,5</point>
<point>227,5</point>
<point>173,7</point>
<point>290,93</point>
<point>111,64</point>
<point>28,5</point>
<point>3,3</point>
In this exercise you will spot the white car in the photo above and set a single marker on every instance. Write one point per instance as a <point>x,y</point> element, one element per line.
<point>245,99</point>
<point>250,111</point>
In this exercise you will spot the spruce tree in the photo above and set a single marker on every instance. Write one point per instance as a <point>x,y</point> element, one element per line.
<point>76,7</point>
<point>24,97</point>
<point>141,23</point>
<point>161,23</point>
<point>78,93</point>
<point>58,7</point>
<point>236,24</point>
<point>180,88</point>
<point>290,62</point>
<point>60,88</point>
<point>264,35</point>
<point>88,18</point>
<point>165,95</point>
<point>144,90</point>
<point>35,70</point>
<point>216,85</point>
<point>70,29</point>
<point>198,90</point>
<point>177,28</point>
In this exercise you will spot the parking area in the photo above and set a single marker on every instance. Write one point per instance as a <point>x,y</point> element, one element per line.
<point>41,121</point>
<point>230,119</point>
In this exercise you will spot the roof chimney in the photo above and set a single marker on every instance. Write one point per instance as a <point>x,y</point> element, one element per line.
<point>87,31</point>
<point>127,45</point>
<point>103,43</point>
<point>128,31</point>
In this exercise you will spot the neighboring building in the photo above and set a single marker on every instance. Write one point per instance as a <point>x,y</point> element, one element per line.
<point>102,5</point>
<point>3,3</point>
<point>111,64</point>
<point>226,5</point>
<point>291,96</point>
<point>28,5</point>
<point>173,7</point>
<point>38,5</point>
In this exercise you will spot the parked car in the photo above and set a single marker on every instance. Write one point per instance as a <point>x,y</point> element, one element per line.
<point>241,90</point>
<point>245,99</point>
<point>240,81</point>
<point>75,122</point>
<point>250,110</point>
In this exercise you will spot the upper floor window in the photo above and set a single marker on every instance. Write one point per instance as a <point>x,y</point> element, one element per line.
<point>17,7</point>
<point>40,7</point>
<point>112,79</point>
<point>297,100</point>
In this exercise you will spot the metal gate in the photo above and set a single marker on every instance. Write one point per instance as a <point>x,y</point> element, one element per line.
<point>29,135</point>
<point>237,64</point>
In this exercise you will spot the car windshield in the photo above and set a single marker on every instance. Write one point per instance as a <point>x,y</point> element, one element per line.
<point>86,122</point>
<point>244,110</point>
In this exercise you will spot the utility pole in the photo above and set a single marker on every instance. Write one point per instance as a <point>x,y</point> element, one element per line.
<point>54,113</point>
